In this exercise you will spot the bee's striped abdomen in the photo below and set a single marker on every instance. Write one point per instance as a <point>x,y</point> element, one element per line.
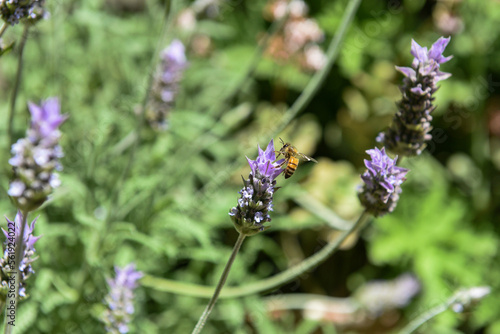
<point>291,167</point>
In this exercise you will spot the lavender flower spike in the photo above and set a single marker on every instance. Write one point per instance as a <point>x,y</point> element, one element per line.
<point>28,255</point>
<point>256,200</point>
<point>166,85</point>
<point>382,183</point>
<point>36,157</point>
<point>411,126</point>
<point>120,299</point>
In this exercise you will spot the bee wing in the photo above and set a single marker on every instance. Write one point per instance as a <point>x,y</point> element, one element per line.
<point>305,157</point>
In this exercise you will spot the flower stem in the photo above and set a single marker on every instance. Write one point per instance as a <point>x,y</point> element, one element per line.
<point>222,281</point>
<point>423,318</point>
<point>18,255</point>
<point>262,285</point>
<point>461,300</point>
<point>3,28</point>
<point>13,98</point>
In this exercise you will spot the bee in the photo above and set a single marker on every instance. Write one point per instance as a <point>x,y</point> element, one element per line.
<point>292,156</point>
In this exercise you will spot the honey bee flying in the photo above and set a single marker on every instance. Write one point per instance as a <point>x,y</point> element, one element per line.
<point>292,156</point>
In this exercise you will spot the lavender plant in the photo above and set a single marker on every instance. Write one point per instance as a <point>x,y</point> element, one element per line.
<point>35,160</point>
<point>120,300</point>
<point>256,200</point>
<point>411,125</point>
<point>6,263</point>
<point>251,213</point>
<point>166,85</point>
<point>36,157</point>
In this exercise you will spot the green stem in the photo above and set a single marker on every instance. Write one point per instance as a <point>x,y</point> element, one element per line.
<point>3,28</point>
<point>423,318</point>
<point>262,285</point>
<point>318,79</point>
<point>18,253</point>
<point>222,281</point>
<point>311,204</point>
<point>17,82</point>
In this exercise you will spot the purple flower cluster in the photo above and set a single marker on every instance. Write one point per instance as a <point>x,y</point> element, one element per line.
<point>36,157</point>
<point>411,126</point>
<point>166,85</point>
<point>256,200</point>
<point>25,269</point>
<point>382,183</point>
<point>13,11</point>
<point>120,299</point>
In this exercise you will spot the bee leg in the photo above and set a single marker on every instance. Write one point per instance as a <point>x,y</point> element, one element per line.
<point>277,156</point>
<point>285,161</point>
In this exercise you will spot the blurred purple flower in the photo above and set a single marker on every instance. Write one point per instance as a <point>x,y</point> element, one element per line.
<point>382,183</point>
<point>166,84</point>
<point>251,213</point>
<point>13,11</point>
<point>411,126</point>
<point>36,157</point>
<point>25,268</point>
<point>120,299</point>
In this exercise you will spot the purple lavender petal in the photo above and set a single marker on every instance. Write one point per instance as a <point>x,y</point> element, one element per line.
<point>437,49</point>
<point>418,52</point>
<point>382,180</point>
<point>407,72</point>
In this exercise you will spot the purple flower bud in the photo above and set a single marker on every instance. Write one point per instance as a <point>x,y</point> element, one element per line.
<point>13,11</point>
<point>120,299</point>
<point>382,183</point>
<point>25,269</point>
<point>411,126</point>
<point>36,157</point>
<point>256,198</point>
<point>166,85</point>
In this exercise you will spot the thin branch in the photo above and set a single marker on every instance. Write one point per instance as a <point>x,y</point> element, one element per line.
<point>17,83</point>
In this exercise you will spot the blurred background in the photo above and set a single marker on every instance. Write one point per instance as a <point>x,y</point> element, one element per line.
<point>161,198</point>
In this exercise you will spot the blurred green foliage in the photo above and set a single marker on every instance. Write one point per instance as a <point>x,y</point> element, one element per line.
<point>162,199</point>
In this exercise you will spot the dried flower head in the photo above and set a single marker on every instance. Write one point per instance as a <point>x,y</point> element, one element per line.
<point>379,296</point>
<point>36,157</point>
<point>382,183</point>
<point>411,126</point>
<point>300,36</point>
<point>13,11</point>
<point>166,85</point>
<point>256,200</point>
<point>25,269</point>
<point>120,299</point>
